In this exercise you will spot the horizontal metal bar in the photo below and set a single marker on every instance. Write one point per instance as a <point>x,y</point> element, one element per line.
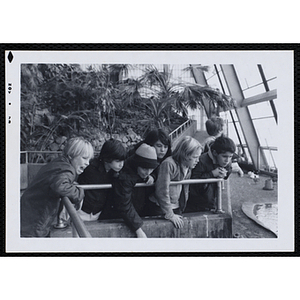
<point>187,181</point>
<point>35,151</point>
<point>77,222</point>
<point>266,96</point>
<point>260,83</point>
<point>269,148</point>
<point>272,148</point>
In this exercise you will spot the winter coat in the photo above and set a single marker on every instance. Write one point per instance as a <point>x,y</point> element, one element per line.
<point>98,199</point>
<point>40,202</point>
<point>129,201</point>
<point>166,196</point>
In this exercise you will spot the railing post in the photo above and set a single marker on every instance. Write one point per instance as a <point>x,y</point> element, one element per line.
<point>74,231</point>
<point>76,220</point>
<point>219,198</point>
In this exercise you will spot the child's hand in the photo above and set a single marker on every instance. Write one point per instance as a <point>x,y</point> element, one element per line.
<point>150,180</point>
<point>140,233</point>
<point>240,172</point>
<point>77,205</point>
<point>177,221</point>
<point>219,172</point>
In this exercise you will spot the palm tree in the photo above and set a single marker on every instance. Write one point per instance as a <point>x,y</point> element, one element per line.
<point>158,89</point>
<point>165,96</point>
<point>129,92</point>
<point>195,95</point>
<point>118,72</point>
<point>203,93</point>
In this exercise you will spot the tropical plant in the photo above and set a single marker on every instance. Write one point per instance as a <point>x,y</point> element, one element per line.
<point>195,95</point>
<point>61,99</point>
<point>68,99</point>
<point>161,96</point>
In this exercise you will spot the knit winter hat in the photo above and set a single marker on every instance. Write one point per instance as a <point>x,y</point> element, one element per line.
<point>145,157</point>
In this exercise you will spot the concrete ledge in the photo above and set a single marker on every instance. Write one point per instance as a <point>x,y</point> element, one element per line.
<point>196,225</point>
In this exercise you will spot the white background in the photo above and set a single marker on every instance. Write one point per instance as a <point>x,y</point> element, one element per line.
<point>283,69</point>
<point>162,22</point>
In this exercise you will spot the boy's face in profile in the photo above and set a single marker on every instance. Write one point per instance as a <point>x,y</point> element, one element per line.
<point>80,163</point>
<point>161,149</point>
<point>223,159</point>
<point>144,172</point>
<point>116,165</point>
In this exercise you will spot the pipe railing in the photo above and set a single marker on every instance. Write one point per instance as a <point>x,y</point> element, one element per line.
<point>180,129</point>
<point>78,225</point>
<point>79,229</point>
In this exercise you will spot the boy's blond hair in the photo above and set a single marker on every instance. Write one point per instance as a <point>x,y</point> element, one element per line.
<point>78,146</point>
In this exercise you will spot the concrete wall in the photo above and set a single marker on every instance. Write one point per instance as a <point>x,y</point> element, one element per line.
<point>196,225</point>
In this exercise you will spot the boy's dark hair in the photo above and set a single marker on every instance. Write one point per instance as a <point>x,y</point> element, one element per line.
<point>112,150</point>
<point>223,144</point>
<point>214,126</point>
<point>158,135</point>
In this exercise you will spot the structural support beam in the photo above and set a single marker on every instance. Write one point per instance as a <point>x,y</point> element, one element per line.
<point>265,82</point>
<point>267,96</point>
<point>244,117</point>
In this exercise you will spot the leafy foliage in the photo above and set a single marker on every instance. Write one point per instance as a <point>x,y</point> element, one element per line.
<point>63,100</point>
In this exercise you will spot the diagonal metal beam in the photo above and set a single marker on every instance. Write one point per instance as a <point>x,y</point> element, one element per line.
<point>265,82</point>
<point>244,117</point>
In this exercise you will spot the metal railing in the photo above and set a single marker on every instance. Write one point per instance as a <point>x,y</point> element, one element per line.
<point>40,155</point>
<point>179,130</point>
<point>79,229</point>
<point>78,225</point>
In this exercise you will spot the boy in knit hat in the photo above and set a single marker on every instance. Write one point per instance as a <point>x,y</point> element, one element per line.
<point>128,202</point>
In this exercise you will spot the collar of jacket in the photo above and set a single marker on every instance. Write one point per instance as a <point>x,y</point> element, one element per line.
<point>212,157</point>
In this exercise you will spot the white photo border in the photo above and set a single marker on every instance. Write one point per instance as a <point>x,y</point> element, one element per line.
<point>283,63</point>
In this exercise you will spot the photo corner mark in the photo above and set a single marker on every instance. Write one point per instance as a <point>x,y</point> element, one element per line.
<point>10,57</point>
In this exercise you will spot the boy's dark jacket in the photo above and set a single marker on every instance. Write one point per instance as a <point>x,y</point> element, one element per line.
<point>40,201</point>
<point>129,202</point>
<point>97,200</point>
<point>204,195</point>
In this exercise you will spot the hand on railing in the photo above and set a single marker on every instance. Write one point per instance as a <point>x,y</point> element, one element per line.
<point>150,180</point>
<point>219,172</point>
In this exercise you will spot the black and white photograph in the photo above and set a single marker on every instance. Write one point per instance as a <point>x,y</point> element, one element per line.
<point>149,151</point>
